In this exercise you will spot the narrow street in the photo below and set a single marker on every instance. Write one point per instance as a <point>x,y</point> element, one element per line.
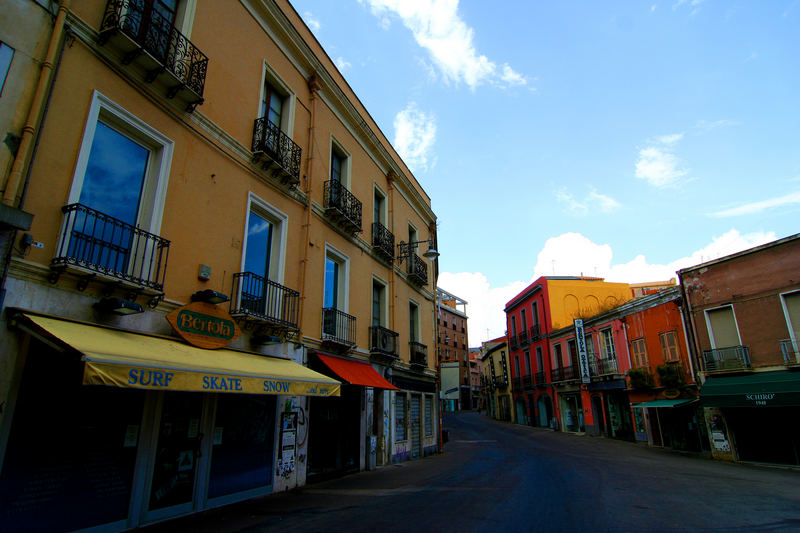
<point>496,476</point>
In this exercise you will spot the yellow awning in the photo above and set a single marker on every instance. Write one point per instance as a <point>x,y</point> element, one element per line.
<point>126,359</point>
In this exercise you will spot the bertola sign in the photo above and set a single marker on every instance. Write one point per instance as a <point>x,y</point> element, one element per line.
<point>204,325</point>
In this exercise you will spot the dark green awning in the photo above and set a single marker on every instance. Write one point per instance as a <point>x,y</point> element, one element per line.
<point>762,389</point>
<point>665,403</point>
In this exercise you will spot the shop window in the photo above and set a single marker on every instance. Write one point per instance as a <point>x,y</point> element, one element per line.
<point>669,346</point>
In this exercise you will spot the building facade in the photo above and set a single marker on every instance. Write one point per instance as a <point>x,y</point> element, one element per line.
<point>452,342</point>
<point>744,317</point>
<point>496,382</point>
<point>198,171</point>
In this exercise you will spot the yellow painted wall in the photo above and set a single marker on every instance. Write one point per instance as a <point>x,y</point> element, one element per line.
<point>571,299</point>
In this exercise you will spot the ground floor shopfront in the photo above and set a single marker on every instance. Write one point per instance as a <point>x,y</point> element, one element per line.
<point>671,423</point>
<point>754,417</point>
<point>152,441</point>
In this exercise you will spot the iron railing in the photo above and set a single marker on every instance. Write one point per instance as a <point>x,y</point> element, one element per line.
<point>602,367</point>
<point>564,373</point>
<point>527,381</point>
<point>338,327</point>
<point>419,354</point>
<point>417,270</point>
<point>789,351</point>
<point>383,241</point>
<point>516,384</point>
<point>382,340</point>
<point>513,342</point>
<point>730,358</point>
<point>540,378</point>
<point>263,299</point>
<point>342,206</point>
<point>157,35</point>
<point>101,243</point>
<point>535,332</point>
<point>270,140</point>
<point>499,381</point>
<point>523,338</point>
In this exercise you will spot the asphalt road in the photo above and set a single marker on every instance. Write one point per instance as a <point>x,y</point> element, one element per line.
<point>496,476</point>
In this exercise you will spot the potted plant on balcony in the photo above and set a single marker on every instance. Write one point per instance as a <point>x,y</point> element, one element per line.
<point>640,378</point>
<point>671,376</point>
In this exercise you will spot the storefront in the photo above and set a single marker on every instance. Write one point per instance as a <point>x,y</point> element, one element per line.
<point>752,417</point>
<point>118,429</point>
<point>415,419</point>
<point>671,423</point>
<point>571,409</point>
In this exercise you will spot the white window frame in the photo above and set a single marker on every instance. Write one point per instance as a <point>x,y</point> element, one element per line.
<point>343,295</point>
<point>711,331</point>
<point>377,191</point>
<point>786,316</point>
<point>336,146</point>
<point>384,322</point>
<point>268,74</point>
<point>605,348</point>
<point>417,322</point>
<point>154,189</point>
<point>280,224</point>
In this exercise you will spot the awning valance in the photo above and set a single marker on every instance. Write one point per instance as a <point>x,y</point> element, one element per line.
<point>356,372</point>
<point>762,389</point>
<point>666,403</point>
<point>126,359</point>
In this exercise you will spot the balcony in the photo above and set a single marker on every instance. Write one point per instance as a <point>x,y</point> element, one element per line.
<point>516,384</point>
<point>523,338</point>
<point>603,367</point>
<point>382,241</point>
<point>727,359</point>
<point>790,352</point>
<point>513,342</point>
<point>417,270</point>
<point>535,333</point>
<point>276,152</point>
<point>342,207</point>
<point>383,345</point>
<point>263,301</point>
<point>338,328</point>
<point>641,378</point>
<point>148,39</point>
<point>499,381</point>
<point>565,373</point>
<point>95,245</point>
<point>419,355</point>
<point>540,378</point>
<point>527,382</point>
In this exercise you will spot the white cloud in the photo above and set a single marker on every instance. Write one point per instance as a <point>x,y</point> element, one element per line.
<point>591,203</point>
<point>311,22</point>
<point>704,126</point>
<point>572,254</point>
<point>342,64</point>
<point>758,207</point>
<point>438,28</point>
<point>658,164</point>
<point>414,136</point>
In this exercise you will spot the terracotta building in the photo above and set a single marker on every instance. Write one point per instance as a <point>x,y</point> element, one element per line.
<point>452,348</point>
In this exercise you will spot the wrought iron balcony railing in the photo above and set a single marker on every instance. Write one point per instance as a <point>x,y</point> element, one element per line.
<point>565,373</point>
<point>540,378</point>
<point>603,367</point>
<point>527,381</point>
<point>342,207</point>
<point>419,354</point>
<point>535,332</point>
<point>103,244</point>
<point>150,31</point>
<point>338,327</point>
<point>730,358</point>
<point>523,338</point>
<point>790,352</point>
<point>281,151</point>
<point>417,270</point>
<point>383,241</point>
<point>264,300</point>
<point>383,341</point>
<point>516,384</point>
<point>500,381</point>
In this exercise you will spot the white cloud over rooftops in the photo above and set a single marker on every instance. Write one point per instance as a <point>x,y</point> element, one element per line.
<point>414,137</point>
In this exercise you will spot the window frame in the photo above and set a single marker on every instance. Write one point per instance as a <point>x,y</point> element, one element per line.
<point>280,223</point>
<point>665,352</point>
<point>382,209</point>
<point>383,302</point>
<point>639,352</point>
<point>269,75</point>
<point>710,330</point>
<point>337,149</point>
<point>414,334</point>
<point>607,338</point>
<point>342,293</point>
<point>152,198</point>
<point>6,69</point>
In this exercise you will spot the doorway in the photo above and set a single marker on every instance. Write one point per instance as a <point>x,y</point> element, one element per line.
<point>599,416</point>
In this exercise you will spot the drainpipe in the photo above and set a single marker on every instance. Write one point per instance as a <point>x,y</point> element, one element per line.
<point>688,327</point>
<point>40,99</point>
<point>314,85</point>
<point>390,179</point>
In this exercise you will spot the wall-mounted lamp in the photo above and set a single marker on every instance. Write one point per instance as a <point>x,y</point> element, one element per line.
<point>118,306</point>
<point>209,296</point>
<point>406,249</point>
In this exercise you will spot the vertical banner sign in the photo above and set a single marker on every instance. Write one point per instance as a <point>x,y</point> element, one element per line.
<point>583,357</point>
<point>505,368</point>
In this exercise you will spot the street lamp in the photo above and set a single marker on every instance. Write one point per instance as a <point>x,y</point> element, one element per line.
<point>406,249</point>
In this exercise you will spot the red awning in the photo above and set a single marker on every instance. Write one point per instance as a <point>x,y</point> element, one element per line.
<point>356,372</point>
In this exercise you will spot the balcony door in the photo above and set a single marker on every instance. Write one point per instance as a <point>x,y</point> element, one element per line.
<point>722,326</point>
<point>257,261</point>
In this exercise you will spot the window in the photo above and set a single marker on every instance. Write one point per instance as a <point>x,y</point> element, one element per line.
<point>378,303</point>
<point>607,344</point>
<point>527,356</point>
<point>6,55</point>
<point>589,346</point>
<point>722,328</point>
<point>413,322</point>
<point>513,327</point>
<point>340,165</point>
<point>272,105</point>
<point>557,361</point>
<point>335,292</point>
<point>539,361</point>
<point>379,207</point>
<point>572,348</point>
<point>277,101</point>
<point>523,321</point>
<point>264,240</point>
<point>516,366</point>
<point>534,314</point>
<point>639,352</point>
<point>400,416</point>
<point>122,172</point>
<point>791,309</point>
<point>669,346</point>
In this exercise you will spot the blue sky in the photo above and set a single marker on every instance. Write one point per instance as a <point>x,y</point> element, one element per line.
<point>618,139</point>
